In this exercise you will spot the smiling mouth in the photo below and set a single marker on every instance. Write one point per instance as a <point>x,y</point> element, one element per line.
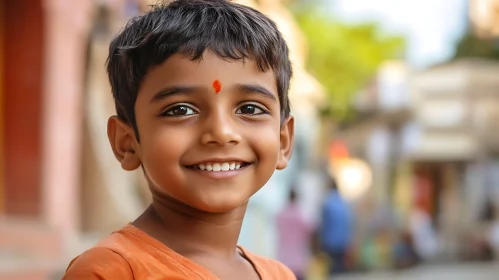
<point>219,166</point>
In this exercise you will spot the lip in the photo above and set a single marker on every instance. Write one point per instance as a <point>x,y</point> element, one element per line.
<point>219,175</point>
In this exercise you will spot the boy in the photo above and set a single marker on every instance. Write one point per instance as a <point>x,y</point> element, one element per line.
<point>200,89</point>
<point>294,237</point>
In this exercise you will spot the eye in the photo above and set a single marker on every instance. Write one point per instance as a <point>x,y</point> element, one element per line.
<point>179,111</point>
<point>250,109</point>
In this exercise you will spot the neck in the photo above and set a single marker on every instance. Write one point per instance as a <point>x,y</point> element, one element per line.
<point>191,232</point>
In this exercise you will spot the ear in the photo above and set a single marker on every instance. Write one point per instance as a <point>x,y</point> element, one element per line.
<point>287,137</point>
<point>123,142</point>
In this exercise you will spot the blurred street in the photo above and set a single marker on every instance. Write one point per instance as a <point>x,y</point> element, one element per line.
<point>458,271</point>
<point>395,155</point>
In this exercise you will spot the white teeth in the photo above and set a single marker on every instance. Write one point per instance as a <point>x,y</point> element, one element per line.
<point>226,166</point>
<point>217,167</point>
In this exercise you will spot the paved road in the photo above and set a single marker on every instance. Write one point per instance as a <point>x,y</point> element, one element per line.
<point>466,271</point>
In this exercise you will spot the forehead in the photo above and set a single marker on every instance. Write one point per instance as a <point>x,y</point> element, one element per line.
<point>181,70</point>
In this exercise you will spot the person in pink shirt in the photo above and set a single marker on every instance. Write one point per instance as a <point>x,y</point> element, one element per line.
<point>294,234</point>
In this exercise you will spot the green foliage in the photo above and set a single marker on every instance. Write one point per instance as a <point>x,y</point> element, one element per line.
<point>472,46</point>
<point>343,57</point>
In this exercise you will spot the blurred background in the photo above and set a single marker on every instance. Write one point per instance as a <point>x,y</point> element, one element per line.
<point>395,172</point>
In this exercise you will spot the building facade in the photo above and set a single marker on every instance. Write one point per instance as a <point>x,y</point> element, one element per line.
<point>436,151</point>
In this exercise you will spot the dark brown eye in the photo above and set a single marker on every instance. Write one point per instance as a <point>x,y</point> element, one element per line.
<point>180,110</point>
<point>249,109</point>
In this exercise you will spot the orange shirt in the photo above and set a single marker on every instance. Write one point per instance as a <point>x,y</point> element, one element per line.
<point>130,253</point>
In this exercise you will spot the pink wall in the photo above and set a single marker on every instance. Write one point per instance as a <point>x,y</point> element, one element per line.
<point>66,34</point>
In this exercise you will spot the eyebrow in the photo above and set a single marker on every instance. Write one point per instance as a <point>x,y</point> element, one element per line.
<point>246,88</point>
<point>174,90</point>
<point>249,88</point>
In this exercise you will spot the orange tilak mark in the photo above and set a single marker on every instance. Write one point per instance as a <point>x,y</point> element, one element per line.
<point>217,86</point>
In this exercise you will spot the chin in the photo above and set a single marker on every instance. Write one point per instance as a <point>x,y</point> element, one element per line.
<point>219,199</point>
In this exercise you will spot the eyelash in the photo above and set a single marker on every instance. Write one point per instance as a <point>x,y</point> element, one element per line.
<point>170,109</point>
<point>259,107</point>
<point>194,112</point>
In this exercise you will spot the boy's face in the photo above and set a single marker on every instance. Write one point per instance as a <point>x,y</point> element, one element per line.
<point>210,114</point>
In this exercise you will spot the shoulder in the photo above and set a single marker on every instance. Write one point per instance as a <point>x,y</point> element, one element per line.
<point>275,269</point>
<point>269,268</point>
<point>109,259</point>
<point>99,263</point>
<point>127,254</point>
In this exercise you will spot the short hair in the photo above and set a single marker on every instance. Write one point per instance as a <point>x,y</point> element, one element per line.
<point>189,27</point>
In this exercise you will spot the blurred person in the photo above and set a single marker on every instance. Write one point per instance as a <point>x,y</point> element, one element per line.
<point>404,253</point>
<point>491,240</point>
<point>423,234</point>
<point>494,238</point>
<point>336,228</point>
<point>383,227</point>
<point>294,234</point>
<point>201,93</point>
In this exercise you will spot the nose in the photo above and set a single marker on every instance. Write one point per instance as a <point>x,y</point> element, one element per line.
<point>219,129</point>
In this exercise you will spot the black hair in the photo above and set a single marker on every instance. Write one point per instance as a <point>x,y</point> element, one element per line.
<point>292,195</point>
<point>189,27</point>
<point>332,183</point>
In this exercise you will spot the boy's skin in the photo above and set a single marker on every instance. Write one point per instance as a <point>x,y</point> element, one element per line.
<point>198,213</point>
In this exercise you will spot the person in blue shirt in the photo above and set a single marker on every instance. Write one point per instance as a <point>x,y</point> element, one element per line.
<point>337,228</point>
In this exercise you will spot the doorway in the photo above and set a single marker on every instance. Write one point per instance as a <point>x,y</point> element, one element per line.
<point>21,94</point>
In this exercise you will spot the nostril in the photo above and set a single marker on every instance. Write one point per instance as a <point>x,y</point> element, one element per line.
<point>219,129</point>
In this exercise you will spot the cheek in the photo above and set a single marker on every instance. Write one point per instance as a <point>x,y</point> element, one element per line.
<point>266,144</point>
<point>161,150</point>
